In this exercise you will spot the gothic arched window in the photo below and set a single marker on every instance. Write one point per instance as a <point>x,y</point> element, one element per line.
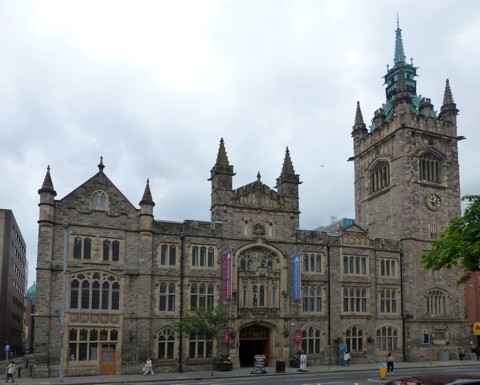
<point>94,291</point>
<point>380,176</point>
<point>354,339</point>
<point>99,201</point>
<point>387,339</point>
<point>435,303</point>
<point>429,167</point>
<point>166,342</point>
<point>311,339</point>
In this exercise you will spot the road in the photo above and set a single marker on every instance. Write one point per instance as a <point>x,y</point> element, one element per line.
<point>335,378</point>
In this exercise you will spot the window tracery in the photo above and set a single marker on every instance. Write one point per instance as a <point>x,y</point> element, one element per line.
<point>354,338</point>
<point>94,291</point>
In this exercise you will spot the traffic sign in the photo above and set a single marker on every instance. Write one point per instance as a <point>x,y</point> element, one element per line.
<point>383,370</point>
<point>7,347</point>
<point>476,328</point>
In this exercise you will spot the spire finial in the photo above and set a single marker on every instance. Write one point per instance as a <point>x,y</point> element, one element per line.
<point>358,115</point>
<point>447,96</point>
<point>222,159</point>
<point>287,168</point>
<point>47,186</point>
<point>449,107</point>
<point>147,196</point>
<point>101,166</point>
<point>259,177</point>
<point>399,57</point>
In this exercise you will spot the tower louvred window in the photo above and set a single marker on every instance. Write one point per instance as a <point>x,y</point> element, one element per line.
<point>380,176</point>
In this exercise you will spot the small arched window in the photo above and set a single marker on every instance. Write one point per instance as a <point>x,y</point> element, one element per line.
<point>99,201</point>
<point>380,176</point>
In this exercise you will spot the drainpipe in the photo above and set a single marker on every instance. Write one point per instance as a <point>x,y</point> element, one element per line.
<point>329,331</point>
<point>402,309</point>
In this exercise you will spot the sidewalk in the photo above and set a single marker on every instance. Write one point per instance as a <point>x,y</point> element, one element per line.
<point>236,373</point>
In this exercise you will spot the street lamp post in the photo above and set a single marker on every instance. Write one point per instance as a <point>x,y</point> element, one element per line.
<point>64,300</point>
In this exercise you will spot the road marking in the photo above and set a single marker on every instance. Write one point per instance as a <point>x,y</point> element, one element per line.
<point>324,383</point>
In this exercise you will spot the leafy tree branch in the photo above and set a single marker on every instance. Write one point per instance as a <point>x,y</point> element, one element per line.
<point>209,323</point>
<point>459,244</point>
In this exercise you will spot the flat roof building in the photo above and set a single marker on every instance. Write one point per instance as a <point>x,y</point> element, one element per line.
<point>13,283</point>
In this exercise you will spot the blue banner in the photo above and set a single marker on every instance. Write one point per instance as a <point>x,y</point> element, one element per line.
<point>297,277</point>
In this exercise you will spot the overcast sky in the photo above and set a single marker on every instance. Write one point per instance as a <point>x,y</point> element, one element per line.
<point>152,86</point>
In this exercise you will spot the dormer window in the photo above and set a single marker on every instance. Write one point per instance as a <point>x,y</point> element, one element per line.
<point>99,201</point>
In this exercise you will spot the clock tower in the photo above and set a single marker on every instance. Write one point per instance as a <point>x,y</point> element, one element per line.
<point>407,188</point>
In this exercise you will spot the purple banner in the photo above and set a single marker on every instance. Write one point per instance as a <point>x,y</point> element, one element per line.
<point>297,277</point>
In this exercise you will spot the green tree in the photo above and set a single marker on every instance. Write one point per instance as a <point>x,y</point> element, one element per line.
<point>207,322</point>
<point>459,244</point>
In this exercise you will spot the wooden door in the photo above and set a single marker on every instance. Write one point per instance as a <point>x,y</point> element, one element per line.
<point>108,359</point>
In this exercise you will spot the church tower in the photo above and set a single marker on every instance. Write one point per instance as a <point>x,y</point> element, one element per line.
<point>407,187</point>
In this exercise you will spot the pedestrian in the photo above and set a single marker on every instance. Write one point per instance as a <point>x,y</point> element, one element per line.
<point>10,371</point>
<point>346,358</point>
<point>461,353</point>
<point>148,368</point>
<point>390,363</point>
<point>477,352</point>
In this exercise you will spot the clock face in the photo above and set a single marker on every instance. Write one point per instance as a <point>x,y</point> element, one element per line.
<point>433,201</point>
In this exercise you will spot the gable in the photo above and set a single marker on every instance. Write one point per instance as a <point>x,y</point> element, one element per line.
<point>99,194</point>
<point>256,195</point>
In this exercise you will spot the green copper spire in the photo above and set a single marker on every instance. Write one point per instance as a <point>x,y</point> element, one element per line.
<point>402,74</point>
<point>399,57</point>
<point>400,83</point>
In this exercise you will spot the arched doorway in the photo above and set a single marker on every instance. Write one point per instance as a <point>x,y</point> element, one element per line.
<point>253,341</point>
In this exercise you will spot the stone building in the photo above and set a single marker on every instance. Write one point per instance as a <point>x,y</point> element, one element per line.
<point>355,284</point>
<point>407,187</point>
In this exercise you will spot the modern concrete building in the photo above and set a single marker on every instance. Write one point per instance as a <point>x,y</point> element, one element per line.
<point>13,283</point>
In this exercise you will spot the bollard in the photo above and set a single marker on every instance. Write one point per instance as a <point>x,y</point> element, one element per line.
<point>31,370</point>
<point>19,371</point>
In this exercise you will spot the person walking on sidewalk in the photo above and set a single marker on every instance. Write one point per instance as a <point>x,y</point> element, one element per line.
<point>148,368</point>
<point>461,353</point>
<point>346,358</point>
<point>10,371</point>
<point>390,363</point>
